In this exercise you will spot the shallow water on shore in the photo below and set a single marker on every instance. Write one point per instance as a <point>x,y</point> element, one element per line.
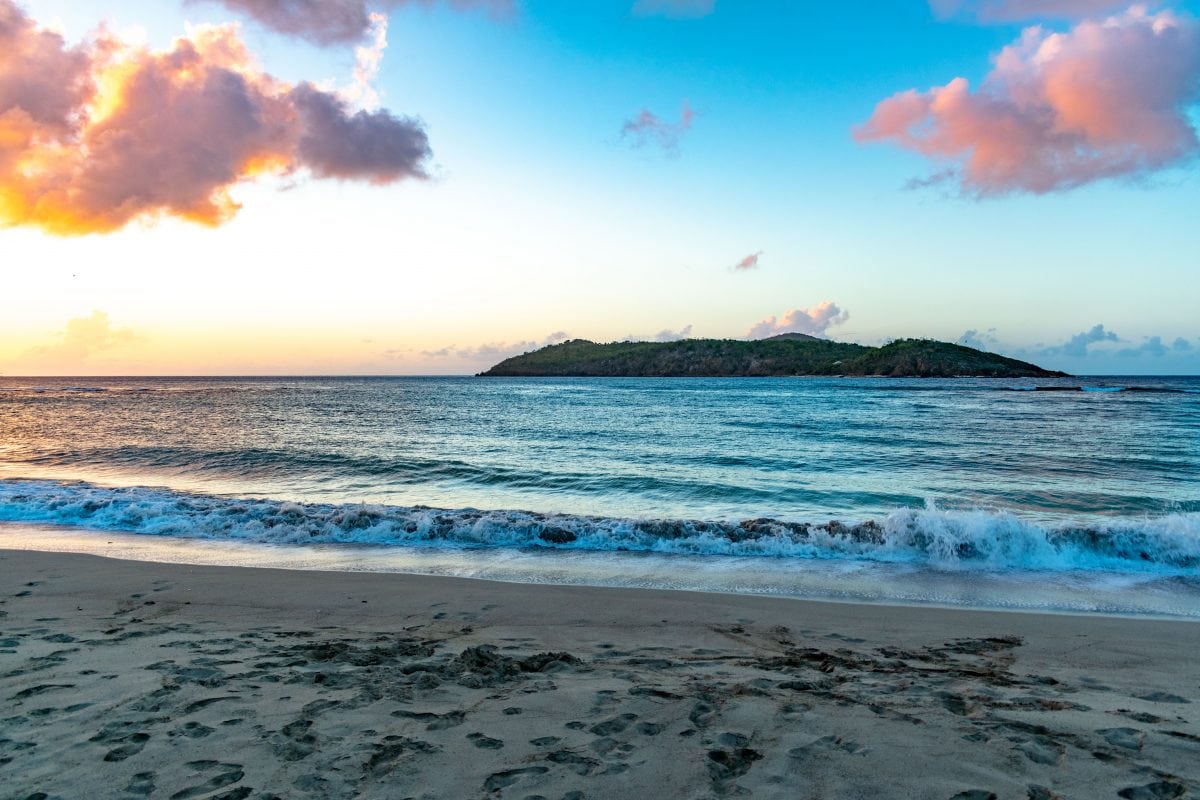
<point>1097,592</point>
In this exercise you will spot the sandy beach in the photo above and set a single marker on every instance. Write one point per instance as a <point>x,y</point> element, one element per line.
<point>131,679</point>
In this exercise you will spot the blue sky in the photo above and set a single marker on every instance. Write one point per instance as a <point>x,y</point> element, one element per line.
<point>541,218</point>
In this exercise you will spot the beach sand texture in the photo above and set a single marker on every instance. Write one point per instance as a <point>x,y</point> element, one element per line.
<point>122,679</point>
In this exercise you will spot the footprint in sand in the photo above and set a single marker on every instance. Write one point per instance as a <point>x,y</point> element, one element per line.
<point>132,746</point>
<point>613,725</point>
<point>607,746</point>
<point>227,774</point>
<point>40,689</point>
<point>434,722</point>
<point>142,784</point>
<point>295,741</point>
<point>579,764</point>
<point>197,705</point>
<point>192,730</point>
<point>391,749</point>
<point>485,742</point>
<point>828,744</point>
<point>1042,751</point>
<point>128,744</point>
<point>1161,790</point>
<point>501,780</point>
<point>1163,697</point>
<point>1129,738</point>
<point>725,765</point>
<point>1041,793</point>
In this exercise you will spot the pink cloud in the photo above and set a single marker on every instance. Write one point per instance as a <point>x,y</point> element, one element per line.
<point>814,321</point>
<point>749,262</point>
<point>1108,98</point>
<point>97,135</point>
<point>648,127</point>
<point>1010,10</point>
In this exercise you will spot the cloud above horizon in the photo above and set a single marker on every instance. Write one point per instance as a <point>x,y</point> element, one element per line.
<point>675,9</point>
<point>494,351</point>
<point>1155,347</point>
<point>1077,346</point>
<point>1096,343</point>
<point>980,341</point>
<point>814,321</point>
<point>96,135</point>
<point>1015,10</point>
<point>79,340</point>
<point>1108,98</point>
<point>748,263</point>
<point>665,335</point>
<point>332,22</point>
<point>647,128</point>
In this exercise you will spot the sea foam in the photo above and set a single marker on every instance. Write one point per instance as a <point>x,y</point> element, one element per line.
<point>940,538</point>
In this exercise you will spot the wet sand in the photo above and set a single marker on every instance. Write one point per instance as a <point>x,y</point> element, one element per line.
<point>131,679</point>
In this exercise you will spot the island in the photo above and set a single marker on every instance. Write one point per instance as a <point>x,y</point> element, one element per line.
<point>789,354</point>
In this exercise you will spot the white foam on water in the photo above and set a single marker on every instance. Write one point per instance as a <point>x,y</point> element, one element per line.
<point>953,540</point>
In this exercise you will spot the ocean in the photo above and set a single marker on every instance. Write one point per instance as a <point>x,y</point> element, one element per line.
<point>1073,495</point>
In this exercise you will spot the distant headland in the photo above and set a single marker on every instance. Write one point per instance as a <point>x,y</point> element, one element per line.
<point>788,354</point>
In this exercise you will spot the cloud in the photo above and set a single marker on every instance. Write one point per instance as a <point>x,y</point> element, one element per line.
<point>493,351</point>
<point>668,335</point>
<point>813,322</point>
<point>675,9</point>
<point>103,133</point>
<point>1152,346</point>
<point>367,61</point>
<point>648,128</point>
<point>748,263</point>
<point>1012,10</point>
<point>1094,344</point>
<point>328,22</point>
<point>81,339</point>
<point>1108,98</point>
<point>980,341</point>
<point>665,335</point>
<point>1077,346</point>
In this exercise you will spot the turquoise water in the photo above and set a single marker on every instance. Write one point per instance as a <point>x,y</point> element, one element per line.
<point>956,475</point>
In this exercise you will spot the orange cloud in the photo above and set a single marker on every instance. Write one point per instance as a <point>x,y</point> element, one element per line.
<point>102,133</point>
<point>1058,110</point>
<point>74,347</point>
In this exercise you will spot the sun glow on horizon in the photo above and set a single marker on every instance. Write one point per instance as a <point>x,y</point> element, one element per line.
<point>227,186</point>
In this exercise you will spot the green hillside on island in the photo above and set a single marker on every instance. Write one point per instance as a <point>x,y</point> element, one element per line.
<point>785,355</point>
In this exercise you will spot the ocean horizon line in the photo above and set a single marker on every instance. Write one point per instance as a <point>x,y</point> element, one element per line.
<point>387,375</point>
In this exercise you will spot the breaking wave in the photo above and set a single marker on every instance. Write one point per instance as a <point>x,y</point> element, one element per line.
<point>928,536</point>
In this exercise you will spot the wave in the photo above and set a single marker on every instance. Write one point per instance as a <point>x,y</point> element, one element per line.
<point>929,536</point>
<point>418,470</point>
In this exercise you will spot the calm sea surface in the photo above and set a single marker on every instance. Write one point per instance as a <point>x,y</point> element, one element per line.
<point>776,482</point>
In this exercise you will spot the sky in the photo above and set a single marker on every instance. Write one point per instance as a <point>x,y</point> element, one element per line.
<point>428,186</point>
